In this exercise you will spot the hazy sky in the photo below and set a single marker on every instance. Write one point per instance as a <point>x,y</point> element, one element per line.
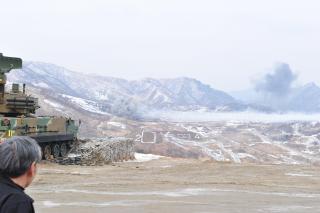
<point>224,43</point>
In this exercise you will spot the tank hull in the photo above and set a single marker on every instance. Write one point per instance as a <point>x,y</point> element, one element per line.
<point>55,135</point>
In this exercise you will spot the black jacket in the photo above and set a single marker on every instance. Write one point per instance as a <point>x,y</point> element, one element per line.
<point>13,199</point>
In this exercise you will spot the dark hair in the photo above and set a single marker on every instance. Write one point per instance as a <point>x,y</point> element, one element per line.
<point>17,154</point>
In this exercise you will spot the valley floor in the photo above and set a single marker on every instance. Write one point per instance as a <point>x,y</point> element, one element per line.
<point>177,185</point>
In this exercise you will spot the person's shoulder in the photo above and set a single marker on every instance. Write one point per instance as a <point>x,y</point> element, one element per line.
<point>8,191</point>
<point>18,202</point>
<point>17,198</point>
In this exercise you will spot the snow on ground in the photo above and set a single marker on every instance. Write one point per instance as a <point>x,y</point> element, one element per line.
<point>140,157</point>
<point>298,175</point>
<point>117,124</point>
<point>87,105</point>
<point>247,116</point>
<point>53,104</point>
<point>250,142</point>
<point>246,155</point>
<point>41,84</point>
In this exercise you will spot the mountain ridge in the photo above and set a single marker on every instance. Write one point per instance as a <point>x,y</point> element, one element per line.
<point>175,94</point>
<point>133,97</point>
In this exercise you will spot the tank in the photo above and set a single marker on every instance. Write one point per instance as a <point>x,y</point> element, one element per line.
<point>55,135</point>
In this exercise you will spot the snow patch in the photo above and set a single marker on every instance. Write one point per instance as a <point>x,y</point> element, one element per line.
<point>246,155</point>
<point>298,175</point>
<point>41,84</point>
<point>87,105</point>
<point>140,157</point>
<point>72,155</point>
<point>117,124</point>
<point>50,204</point>
<point>54,104</point>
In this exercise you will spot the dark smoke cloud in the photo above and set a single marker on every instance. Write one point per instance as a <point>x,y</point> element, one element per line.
<point>279,82</point>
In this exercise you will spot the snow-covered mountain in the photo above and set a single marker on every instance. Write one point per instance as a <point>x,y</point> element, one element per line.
<point>101,94</point>
<point>303,99</point>
<point>119,96</point>
<point>181,93</point>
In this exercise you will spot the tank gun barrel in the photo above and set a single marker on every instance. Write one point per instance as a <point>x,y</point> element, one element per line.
<point>9,63</point>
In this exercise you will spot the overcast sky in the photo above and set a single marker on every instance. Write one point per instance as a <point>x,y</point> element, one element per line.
<point>224,43</point>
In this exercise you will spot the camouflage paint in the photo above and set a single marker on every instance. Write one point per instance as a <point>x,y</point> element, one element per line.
<point>37,126</point>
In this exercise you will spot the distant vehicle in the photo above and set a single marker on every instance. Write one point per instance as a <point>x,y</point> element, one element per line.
<point>54,134</point>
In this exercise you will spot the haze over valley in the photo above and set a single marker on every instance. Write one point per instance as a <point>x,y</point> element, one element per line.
<point>274,93</point>
<point>184,117</point>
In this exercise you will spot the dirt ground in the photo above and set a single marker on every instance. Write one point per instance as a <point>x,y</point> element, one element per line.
<point>176,185</point>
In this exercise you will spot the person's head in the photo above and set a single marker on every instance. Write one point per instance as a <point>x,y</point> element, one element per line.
<point>19,156</point>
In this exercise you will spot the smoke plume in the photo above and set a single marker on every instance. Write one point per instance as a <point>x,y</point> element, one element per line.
<point>278,83</point>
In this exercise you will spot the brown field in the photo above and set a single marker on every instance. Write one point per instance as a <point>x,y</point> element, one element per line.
<point>177,185</point>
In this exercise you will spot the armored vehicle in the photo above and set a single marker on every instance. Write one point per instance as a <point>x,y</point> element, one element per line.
<point>54,134</point>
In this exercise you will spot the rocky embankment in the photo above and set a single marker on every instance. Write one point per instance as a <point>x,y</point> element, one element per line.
<point>100,151</point>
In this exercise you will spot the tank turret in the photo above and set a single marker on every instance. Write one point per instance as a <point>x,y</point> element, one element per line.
<point>14,102</point>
